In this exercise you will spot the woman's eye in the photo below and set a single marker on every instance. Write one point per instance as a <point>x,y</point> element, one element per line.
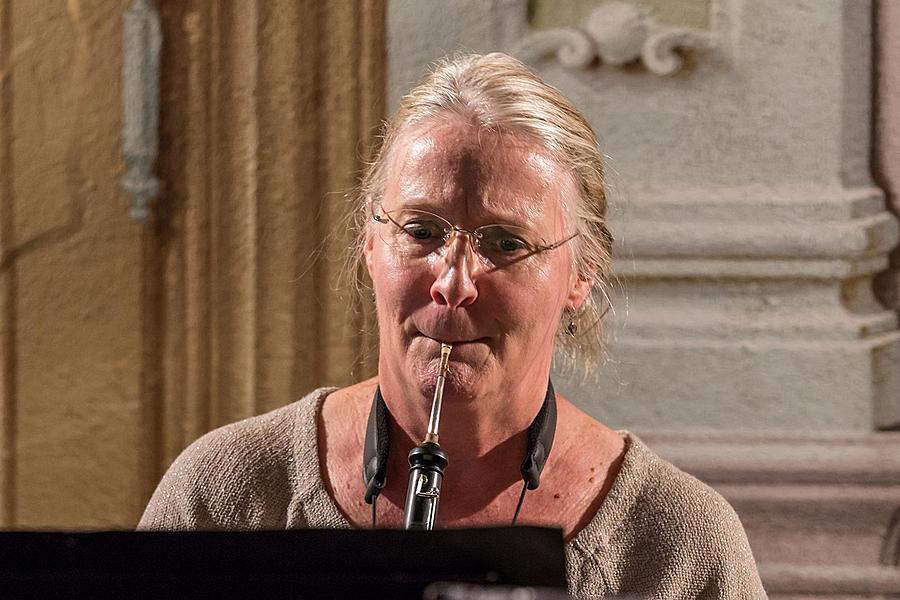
<point>421,230</point>
<point>511,244</point>
<point>502,241</point>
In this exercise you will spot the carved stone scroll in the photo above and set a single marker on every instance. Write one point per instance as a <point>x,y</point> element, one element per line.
<point>617,34</point>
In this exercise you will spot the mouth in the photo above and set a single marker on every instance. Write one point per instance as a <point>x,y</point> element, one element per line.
<point>454,341</point>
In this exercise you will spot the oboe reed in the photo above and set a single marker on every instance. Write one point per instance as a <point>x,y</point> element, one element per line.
<point>434,420</point>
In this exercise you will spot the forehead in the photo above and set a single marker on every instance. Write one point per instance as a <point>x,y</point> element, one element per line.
<point>464,169</point>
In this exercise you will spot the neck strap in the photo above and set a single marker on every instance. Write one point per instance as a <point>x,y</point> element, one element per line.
<point>378,443</point>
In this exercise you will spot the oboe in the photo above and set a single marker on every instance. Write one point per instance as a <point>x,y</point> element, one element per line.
<point>427,462</point>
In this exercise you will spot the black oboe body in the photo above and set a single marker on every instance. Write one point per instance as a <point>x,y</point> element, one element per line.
<point>427,463</point>
<point>426,472</point>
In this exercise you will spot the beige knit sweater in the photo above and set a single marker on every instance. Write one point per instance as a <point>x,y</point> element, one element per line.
<point>660,533</point>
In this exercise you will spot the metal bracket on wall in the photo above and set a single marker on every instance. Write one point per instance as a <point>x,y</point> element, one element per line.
<point>141,42</point>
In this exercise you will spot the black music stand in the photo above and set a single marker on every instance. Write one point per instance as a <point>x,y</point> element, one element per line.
<point>276,564</point>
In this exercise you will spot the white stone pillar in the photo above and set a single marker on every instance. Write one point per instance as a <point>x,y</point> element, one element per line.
<point>748,346</point>
<point>748,229</point>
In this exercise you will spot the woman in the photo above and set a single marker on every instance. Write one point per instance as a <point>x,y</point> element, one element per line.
<point>481,223</point>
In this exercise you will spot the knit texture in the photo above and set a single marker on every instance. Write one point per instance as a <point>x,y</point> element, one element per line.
<point>660,533</point>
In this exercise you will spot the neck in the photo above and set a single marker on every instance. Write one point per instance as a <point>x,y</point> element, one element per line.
<point>485,438</point>
<point>475,423</point>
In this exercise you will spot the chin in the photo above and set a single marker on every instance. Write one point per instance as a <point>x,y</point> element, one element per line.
<point>463,387</point>
<point>463,383</point>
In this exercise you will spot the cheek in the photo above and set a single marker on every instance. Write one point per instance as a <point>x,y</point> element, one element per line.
<point>399,286</point>
<point>539,300</point>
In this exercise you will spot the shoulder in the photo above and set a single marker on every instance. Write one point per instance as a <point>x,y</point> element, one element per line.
<point>673,535</point>
<point>238,476</point>
<point>682,504</point>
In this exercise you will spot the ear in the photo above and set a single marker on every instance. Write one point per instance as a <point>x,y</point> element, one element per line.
<point>368,243</point>
<point>579,292</point>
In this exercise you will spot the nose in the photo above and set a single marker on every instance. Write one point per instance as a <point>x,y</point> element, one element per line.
<point>457,268</point>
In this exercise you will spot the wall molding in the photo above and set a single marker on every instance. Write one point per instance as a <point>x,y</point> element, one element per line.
<point>828,581</point>
<point>802,496</point>
<point>746,225</point>
<point>780,458</point>
<point>890,550</point>
<point>724,279</point>
<point>617,34</point>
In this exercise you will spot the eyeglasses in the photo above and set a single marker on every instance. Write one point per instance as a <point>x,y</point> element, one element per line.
<point>417,233</point>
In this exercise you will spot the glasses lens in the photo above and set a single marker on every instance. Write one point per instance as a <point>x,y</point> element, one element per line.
<point>505,244</point>
<point>411,232</point>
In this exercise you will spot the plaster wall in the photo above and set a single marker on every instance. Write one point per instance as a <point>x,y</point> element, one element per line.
<point>70,273</point>
<point>122,342</point>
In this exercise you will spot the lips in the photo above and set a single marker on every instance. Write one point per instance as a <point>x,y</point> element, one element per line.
<point>455,340</point>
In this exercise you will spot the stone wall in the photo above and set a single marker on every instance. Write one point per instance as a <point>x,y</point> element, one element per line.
<point>748,345</point>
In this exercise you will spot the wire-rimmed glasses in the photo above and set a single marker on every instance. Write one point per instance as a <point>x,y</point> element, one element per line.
<point>416,233</point>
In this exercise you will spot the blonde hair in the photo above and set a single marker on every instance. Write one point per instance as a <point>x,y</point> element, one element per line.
<point>499,93</point>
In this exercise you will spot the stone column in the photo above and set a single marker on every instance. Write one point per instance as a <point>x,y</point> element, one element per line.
<point>886,166</point>
<point>749,228</point>
<point>748,345</point>
<point>747,223</point>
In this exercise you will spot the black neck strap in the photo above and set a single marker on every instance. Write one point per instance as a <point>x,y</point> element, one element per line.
<point>378,444</point>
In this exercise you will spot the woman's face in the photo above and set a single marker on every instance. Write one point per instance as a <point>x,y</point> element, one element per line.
<point>500,316</point>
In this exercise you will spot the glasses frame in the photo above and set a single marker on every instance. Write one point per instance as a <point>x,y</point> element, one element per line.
<point>473,235</point>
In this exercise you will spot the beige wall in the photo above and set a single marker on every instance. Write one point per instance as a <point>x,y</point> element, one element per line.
<point>71,271</point>
<point>123,342</point>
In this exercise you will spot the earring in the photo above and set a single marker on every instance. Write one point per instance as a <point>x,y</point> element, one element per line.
<point>572,327</point>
